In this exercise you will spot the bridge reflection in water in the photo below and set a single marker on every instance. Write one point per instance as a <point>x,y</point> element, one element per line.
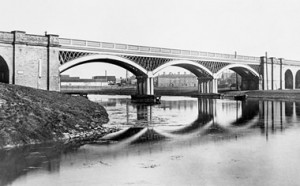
<point>230,117</point>
<point>146,129</point>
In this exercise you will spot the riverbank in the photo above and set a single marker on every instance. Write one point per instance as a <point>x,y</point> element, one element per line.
<point>31,116</point>
<point>268,94</point>
<point>131,90</point>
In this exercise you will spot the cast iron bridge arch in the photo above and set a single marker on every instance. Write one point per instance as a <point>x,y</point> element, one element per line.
<point>205,65</point>
<point>214,64</point>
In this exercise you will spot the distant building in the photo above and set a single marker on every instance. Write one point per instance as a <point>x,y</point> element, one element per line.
<point>227,79</point>
<point>67,81</point>
<point>109,79</point>
<point>67,77</point>
<point>176,80</point>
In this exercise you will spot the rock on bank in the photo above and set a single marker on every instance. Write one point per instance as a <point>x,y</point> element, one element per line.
<point>30,116</point>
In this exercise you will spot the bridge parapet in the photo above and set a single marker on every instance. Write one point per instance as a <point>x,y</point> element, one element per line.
<point>135,49</point>
<point>20,37</point>
<point>291,62</point>
<point>6,37</point>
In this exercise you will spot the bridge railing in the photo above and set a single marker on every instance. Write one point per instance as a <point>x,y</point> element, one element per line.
<point>22,37</point>
<point>153,50</point>
<point>291,62</point>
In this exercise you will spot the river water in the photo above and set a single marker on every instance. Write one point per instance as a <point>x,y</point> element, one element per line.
<point>182,141</point>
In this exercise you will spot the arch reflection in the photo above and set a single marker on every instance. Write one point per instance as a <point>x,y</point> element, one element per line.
<point>216,120</point>
<point>209,120</point>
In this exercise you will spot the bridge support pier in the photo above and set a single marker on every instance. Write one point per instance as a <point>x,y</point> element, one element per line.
<point>145,90</point>
<point>207,85</point>
<point>272,76</point>
<point>145,85</point>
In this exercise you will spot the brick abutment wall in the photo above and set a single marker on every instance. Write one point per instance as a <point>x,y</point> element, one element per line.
<point>32,60</point>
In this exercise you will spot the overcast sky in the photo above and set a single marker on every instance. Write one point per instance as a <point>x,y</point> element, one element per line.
<point>250,27</point>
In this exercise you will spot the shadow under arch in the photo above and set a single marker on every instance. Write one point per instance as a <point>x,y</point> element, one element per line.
<point>250,78</point>
<point>250,109</point>
<point>297,80</point>
<point>194,67</point>
<point>206,121</point>
<point>289,80</point>
<point>129,65</point>
<point>205,116</point>
<point>4,71</point>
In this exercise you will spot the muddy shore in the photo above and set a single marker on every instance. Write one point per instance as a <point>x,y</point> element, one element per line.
<point>31,116</point>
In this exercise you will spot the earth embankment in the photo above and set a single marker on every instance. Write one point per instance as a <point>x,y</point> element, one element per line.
<point>30,116</point>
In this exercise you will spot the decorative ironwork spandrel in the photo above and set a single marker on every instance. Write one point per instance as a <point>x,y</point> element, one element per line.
<point>66,56</point>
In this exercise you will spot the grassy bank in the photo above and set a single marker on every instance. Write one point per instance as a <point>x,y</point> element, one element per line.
<point>31,116</point>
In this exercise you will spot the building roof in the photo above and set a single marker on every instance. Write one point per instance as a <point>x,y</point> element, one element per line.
<point>108,78</point>
<point>67,78</point>
<point>63,77</point>
<point>83,80</point>
<point>176,75</point>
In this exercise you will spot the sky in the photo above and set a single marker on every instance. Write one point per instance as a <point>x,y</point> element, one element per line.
<point>249,27</point>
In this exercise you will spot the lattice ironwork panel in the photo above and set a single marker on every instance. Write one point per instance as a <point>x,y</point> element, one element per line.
<point>149,63</point>
<point>66,56</point>
<point>212,65</point>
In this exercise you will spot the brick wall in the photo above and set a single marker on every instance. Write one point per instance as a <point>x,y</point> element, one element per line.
<point>27,57</point>
<point>31,66</point>
<point>6,53</point>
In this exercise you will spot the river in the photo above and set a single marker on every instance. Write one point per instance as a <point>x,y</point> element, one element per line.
<point>182,141</point>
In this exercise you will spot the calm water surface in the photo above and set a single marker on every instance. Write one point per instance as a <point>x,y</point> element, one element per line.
<point>183,141</point>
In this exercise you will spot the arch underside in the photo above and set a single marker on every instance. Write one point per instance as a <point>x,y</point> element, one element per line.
<point>250,80</point>
<point>246,71</point>
<point>243,72</point>
<point>199,72</point>
<point>249,76</point>
<point>130,68</point>
<point>115,60</point>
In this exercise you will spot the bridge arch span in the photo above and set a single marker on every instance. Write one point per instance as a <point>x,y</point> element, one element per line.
<point>250,77</point>
<point>116,60</point>
<point>194,67</point>
<point>238,68</point>
<point>4,71</point>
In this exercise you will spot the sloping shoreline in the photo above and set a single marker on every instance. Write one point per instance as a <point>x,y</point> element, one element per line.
<point>31,116</point>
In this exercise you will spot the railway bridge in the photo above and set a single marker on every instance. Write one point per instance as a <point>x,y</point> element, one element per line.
<point>37,61</point>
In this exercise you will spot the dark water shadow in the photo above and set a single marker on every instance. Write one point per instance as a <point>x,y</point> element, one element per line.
<point>20,161</point>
